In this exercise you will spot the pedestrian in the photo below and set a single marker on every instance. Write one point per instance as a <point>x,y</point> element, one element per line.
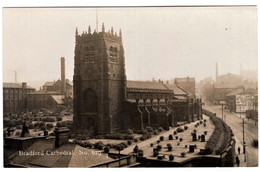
<point>237,161</point>
<point>238,149</point>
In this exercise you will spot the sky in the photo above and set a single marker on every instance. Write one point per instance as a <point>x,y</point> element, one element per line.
<point>159,42</point>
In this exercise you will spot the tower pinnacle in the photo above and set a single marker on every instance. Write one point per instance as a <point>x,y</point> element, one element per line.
<point>103,27</point>
<point>120,33</point>
<point>76,33</point>
<point>112,30</point>
<point>89,29</point>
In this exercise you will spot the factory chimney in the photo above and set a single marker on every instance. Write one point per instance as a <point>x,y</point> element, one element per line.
<point>15,77</point>
<point>216,71</point>
<point>63,80</point>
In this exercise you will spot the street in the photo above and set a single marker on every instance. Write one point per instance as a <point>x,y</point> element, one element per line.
<point>250,129</point>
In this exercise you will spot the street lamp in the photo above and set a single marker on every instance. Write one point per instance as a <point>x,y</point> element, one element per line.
<point>244,143</point>
<point>222,104</point>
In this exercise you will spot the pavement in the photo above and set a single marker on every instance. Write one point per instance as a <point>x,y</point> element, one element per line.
<point>242,157</point>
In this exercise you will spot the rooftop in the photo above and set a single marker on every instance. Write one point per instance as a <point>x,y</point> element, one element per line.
<point>15,85</point>
<point>45,92</point>
<point>177,90</point>
<point>187,79</point>
<point>146,85</point>
<point>58,98</point>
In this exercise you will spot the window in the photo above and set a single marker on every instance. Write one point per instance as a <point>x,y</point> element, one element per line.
<point>113,54</point>
<point>111,48</point>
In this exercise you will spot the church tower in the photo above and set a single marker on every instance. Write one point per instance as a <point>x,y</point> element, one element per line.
<point>99,80</point>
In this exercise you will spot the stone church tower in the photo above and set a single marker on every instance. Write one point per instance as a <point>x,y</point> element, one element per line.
<point>99,80</point>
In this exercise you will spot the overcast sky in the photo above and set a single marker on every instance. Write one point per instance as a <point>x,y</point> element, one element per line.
<point>159,42</point>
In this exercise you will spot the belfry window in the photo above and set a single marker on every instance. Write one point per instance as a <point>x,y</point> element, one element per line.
<point>113,54</point>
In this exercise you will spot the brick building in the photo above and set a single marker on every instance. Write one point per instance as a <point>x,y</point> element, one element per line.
<point>241,100</point>
<point>106,101</point>
<point>225,85</point>
<point>53,95</point>
<point>45,100</point>
<point>187,84</point>
<point>56,86</point>
<point>14,95</point>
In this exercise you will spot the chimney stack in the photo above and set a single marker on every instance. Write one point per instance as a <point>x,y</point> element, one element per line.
<point>63,81</point>
<point>61,136</point>
<point>24,85</point>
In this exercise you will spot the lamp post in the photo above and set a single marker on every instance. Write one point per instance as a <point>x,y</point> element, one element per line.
<point>222,104</point>
<point>244,143</point>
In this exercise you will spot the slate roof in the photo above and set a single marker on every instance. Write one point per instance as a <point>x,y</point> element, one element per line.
<point>15,85</point>
<point>45,92</point>
<point>48,83</point>
<point>69,156</point>
<point>51,83</point>
<point>58,98</point>
<point>235,92</point>
<point>146,85</point>
<point>177,90</point>
<point>180,97</point>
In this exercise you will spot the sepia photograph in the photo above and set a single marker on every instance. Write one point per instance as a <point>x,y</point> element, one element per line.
<point>125,87</point>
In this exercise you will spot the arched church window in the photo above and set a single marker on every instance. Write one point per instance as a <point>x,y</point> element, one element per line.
<point>111,48</point>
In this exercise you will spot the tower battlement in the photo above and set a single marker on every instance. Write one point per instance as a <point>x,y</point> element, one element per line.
<point>88,35</point>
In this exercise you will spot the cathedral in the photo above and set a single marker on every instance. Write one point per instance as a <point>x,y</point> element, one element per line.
<point>107,102</point>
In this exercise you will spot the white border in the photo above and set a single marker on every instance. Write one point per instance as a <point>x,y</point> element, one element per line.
<point>116,3</point>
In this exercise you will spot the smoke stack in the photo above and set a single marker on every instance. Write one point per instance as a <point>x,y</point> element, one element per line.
<point>216,71</point>
<point>63,81</point>
<point>15,77</point>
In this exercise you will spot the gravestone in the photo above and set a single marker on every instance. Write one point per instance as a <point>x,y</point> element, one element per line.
<point>191,148</point>
<point>25,130</point>
<point>202,138</point>
<point>194,137</point>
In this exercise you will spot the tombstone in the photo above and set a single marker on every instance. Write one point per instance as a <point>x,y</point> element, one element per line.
<point>160,157</point>
<point>194,137</point>
<point>191,148</point>
<point>45,133</point>
<point>202,138</point>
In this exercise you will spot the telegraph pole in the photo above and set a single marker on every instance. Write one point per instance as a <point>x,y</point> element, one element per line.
<point>222,112</point>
